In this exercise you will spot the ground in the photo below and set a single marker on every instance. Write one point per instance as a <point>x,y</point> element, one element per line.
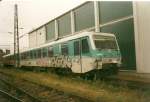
<point>98,91</point>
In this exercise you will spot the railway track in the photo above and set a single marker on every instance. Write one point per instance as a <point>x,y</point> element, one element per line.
<point>56,95</point>
<point>3,99</point>
<point>116,80</point>
<point>42,93</point>
<point>9,97</point>
<point>17,94</point>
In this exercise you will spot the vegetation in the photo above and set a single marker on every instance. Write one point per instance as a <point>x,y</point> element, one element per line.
<point>99,91</point>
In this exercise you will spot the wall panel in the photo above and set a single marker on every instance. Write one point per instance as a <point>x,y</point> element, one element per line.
<point>32,39</point>
<point>124,32</point>
<point>64,25</point>
<point>114,10</point>
<point>41,33</point>
<point>50,31</point>
<point>84,16</point>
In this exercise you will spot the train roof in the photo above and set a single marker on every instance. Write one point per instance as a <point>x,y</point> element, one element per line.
<point>71,37</point>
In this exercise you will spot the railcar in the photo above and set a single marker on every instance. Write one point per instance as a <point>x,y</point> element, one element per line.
<point>81,53</point>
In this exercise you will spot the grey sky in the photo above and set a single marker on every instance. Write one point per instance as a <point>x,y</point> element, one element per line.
<point>32,13</point>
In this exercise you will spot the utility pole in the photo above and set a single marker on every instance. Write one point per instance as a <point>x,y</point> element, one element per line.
<point>16,37</point>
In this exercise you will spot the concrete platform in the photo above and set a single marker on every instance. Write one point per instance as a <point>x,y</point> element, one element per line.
<point>134,76</point>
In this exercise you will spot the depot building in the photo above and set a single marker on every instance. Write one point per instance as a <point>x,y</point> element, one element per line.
<point>129,21</point>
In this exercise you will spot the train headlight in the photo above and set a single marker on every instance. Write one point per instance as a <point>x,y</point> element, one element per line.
<point>114,61</point>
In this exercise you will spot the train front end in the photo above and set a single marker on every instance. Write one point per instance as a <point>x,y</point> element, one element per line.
<point>106,51</point>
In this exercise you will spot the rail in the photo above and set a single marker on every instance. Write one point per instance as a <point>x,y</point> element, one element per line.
<point>34,99</point>
<point>7,95</point>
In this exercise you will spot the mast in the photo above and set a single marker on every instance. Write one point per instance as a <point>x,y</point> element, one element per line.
<point>16,37</point>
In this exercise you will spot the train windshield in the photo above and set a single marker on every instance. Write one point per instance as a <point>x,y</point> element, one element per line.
<point>105,42</point>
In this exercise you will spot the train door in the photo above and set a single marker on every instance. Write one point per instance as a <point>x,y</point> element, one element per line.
<point>86,58</point>
<point>81,55</point>
<point>76,60</point>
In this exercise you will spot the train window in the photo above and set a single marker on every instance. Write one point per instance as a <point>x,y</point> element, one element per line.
<point>10,57</point>
<point>21,55</point>
<point>39,53</point>
<point>35,53</point>
<point>85,46</point>
<point>28,55</point>
<point>76,48</point>
<point>44,52</point>
<point>64,49</point>
<point>25,55</point>
<point>31,55</point>
<point>50,51</point>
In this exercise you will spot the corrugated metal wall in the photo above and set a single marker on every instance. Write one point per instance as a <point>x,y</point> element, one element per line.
<point>32,39</point>
<point>84,16</point>
<point>111,10</point>
<point>64,25</point>
<point>50,31</point>
<point>114,17</point>
<point>124,32</point>
<point>41,36</point>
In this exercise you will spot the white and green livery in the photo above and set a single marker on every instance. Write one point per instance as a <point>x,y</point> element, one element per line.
<point>81,53</point>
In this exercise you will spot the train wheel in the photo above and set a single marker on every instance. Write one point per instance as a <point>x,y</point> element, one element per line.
<point>114,69</point>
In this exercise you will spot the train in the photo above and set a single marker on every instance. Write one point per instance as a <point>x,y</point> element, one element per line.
<point>81,53</point>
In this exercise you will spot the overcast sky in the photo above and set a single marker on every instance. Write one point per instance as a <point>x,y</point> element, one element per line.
<point>32,13</point>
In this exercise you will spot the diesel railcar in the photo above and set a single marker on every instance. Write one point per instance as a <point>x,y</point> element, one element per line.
<point>81,53</point>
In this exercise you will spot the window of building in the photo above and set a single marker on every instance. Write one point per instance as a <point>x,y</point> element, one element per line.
<point>50,30</point>
<point>84,16</point>
<point>64,49</point>
<point>64,25</point>
<point>85,46</point>
<point>110,11</point>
